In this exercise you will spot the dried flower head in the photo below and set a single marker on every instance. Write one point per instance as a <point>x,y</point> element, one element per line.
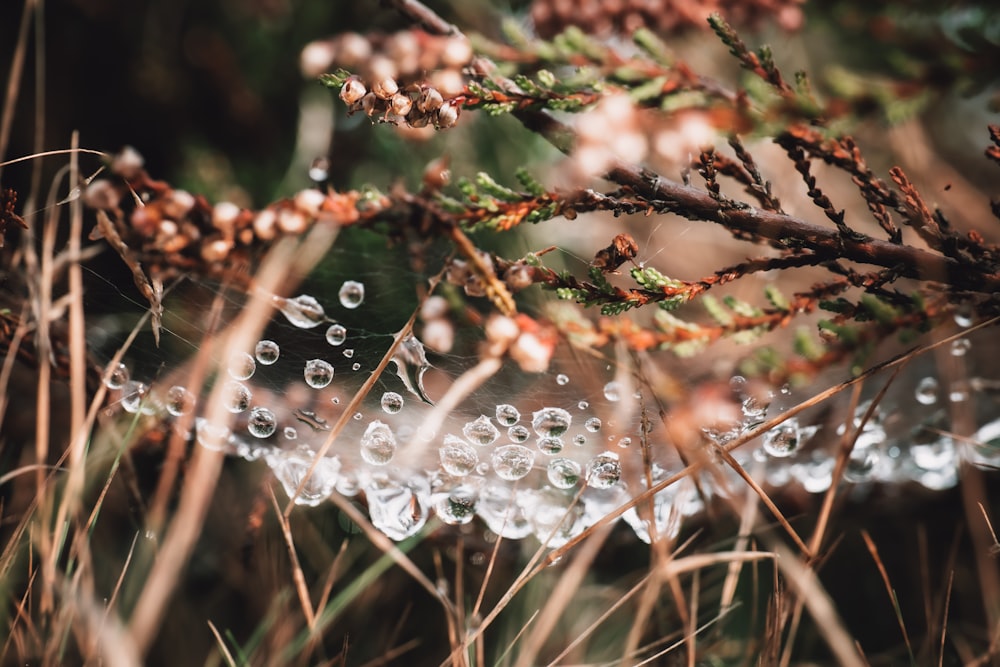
<point>353,91</point>
<point>430,99</point>
<point>385,88</point>
<point>447,115</point>
<point>400,104</point>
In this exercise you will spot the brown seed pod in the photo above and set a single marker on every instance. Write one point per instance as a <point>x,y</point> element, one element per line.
<point>430,100</point>
<point>447,115</point>
<point>400,104</point>
<point>385,88</point>
<point>353,90</point>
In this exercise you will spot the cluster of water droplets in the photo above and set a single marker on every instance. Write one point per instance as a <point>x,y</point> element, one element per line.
<point>549,467</point>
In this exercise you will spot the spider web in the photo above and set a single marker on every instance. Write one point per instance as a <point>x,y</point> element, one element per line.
<point>545,453</point>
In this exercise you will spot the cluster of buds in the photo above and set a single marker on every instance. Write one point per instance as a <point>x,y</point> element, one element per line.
<point>526,341</point>
<point>605,17</point>
<point>608,132</point>
<point>408,56</point>
<point>416,106</point>
<point>516,276</point>
<point>615,129</point>
<point>186,230</point>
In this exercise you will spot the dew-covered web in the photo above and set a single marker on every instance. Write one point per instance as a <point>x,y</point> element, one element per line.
<point>443,433</point>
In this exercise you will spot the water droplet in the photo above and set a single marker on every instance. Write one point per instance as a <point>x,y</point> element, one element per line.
<point>550,445</point>
<point>117,378</point>
<point>303,311</point>
<point>335,400</point>
<point>398,509</point>
<point>411,364</point>
<point>562,380</point>
<point>457,507</point>
<point>481,431</point>
<point>267,352</point>
<point>964,315</point>
<point>458,458</point>
<point>593,424</point>
<point>357,416</point>
<point>959,391</point>
<point>236,396</point>
<point>349,353</point>
<point>737,384</point>
<point>319,170</point>
<point>482,468</point>
<point>291,468</point>
<point>512,462</point>
<point>180,401</point>
<point>336,334</point>
<point>241,366</point>
<point>378,444</point>
<point>212,436</point>
<point>392,402</point>
<point>563,473</point>
<point>861,464</point>
<point>960,347</point>
<point>783,440</point>
<point>926,392</point>
<point>937,455</point>
<point>507,414</point>
<point>262,423</point>
<point>132,394</point>
<point>625,442</point>
<point>348,485</point>
<point>355,366</point>
<point>318,373</point>
<point>352,294</point>
<point>579,440</point>
<point>754,411</point>
<point>583,405</point>
<point>604,471</point>
<point>613,391</point>
<point>551,422</point>
<point>817,474</point>
<point>290,433</point>
<point>518,433</point>
<point>504,511</point>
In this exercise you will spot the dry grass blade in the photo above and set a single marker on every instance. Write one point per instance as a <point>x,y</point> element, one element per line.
<point>589,630</point>
<point>389,548</point>
<point>873,550</point>
<point>673,647</point>
<point>223,649</point>
<point>766,499</point>
<point>298,577</point>
<point>995,549</point>
<point>14,77</point>
<point>944,617</point>
<point>747,519</point>
<point>513,642</point>
<point>804,581</point>
<point>392,654</point>
<point>843,453</point>
<point>561,597</point>
<point>113,599</point>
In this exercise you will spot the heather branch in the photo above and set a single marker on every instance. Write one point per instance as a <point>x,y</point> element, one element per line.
<point>665,195</point>
<point>756,186</point>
